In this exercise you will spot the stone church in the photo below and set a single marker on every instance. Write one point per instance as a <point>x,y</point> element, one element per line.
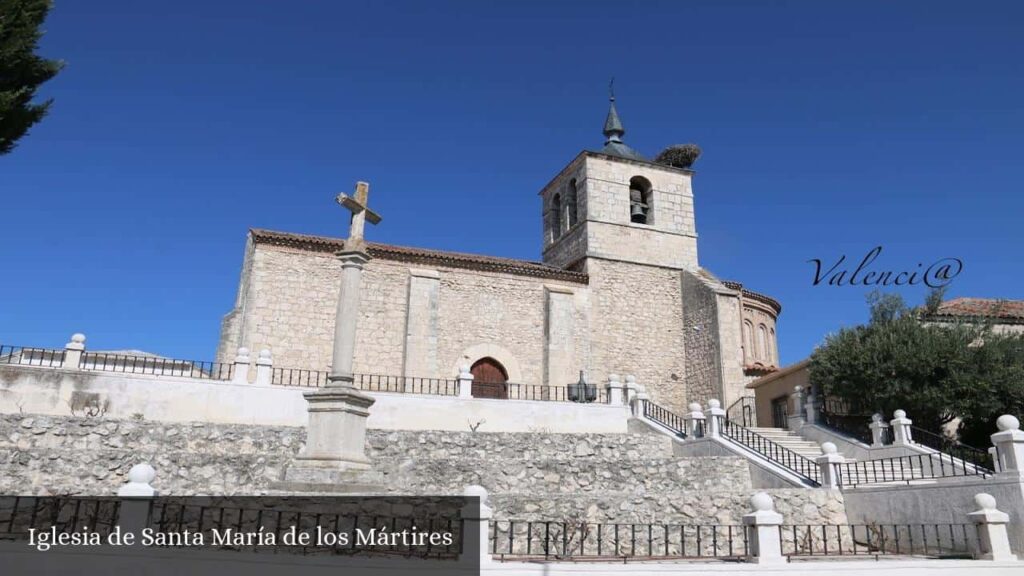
<point>618,290</point>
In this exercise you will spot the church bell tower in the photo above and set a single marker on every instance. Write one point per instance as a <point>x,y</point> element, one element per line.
<point>615,204</point>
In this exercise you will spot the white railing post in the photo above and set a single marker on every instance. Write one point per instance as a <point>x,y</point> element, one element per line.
<point>714,415</point>
<point>797,421</point>
<point>73,351</point>
<point>811,408</point>
<point>264,368</point>
<point>476,526</point>
<point>136,496</point>
<point>993,541</point>
<point>241,368</point>
<point>878,428</point>
<point>638,398</point>
<point>615,390</point>
<point>763,523</point>
<point>465,382</point>
<point>901,428</point>
<point>994,455</point>
<point>630,390</point>
<point>828,465</point>
<point>1009,445</point>
<point>695,421</point>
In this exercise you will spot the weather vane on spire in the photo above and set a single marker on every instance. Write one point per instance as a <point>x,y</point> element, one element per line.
<point>611,89</point>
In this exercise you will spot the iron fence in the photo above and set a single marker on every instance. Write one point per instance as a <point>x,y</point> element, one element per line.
<point>155,366</point>
<point>835,414</point>
<point>406,384</point>
<point>544,393</point>
<point>20,514</point>
<point>935,540</point>
<point>905,469</point>
<point>969,454</point>
<point>525,539</point>
<point>27,356</point>
<point>298,377</point>
<point>773,451</point>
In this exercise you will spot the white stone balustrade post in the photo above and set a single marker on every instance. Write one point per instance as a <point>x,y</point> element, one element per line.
<point>136,497</point>
<point>73,351</point>
<point>476,526</point>
<point>264,368</point>
<point>993,541</point>
<point>828,465</point>
<point>639,398</point>
<point>715,416</point>
<point>811,408</point>
<point>878,428</point>
<point>615,390</point>
<point>796,418</point>
<point>631,390</point>
<point>901,428</point>
<point>695,420</point>
<point>1009,445</point>
<point>764,537</point>
<point>241,368</point>
<point>465,382</point>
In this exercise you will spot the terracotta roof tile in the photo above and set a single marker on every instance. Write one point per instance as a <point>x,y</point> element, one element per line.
<point>420,255</point>
<point>982,308</point>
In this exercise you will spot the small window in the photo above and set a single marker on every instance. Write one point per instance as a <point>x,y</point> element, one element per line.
<point>748,341</point>
<point>570,203</point>
<point>640,200</point>
<point>763,351</point>
<point>556,217</point>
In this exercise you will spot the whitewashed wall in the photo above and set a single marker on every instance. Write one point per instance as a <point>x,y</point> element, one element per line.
<point>61,392</point>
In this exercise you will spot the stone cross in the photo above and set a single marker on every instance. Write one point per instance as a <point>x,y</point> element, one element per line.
<point>360,214</point>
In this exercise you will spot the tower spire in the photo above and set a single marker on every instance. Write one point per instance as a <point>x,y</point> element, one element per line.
<point>613,130</point>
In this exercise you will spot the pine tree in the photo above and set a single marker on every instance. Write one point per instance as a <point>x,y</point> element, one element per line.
<point>21,71</point>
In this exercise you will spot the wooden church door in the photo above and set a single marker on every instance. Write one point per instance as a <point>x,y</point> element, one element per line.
<point>490,380</point>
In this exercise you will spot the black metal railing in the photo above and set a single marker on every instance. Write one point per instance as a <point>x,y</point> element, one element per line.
<point>155,366</point>
<point>969,454</point>
<point>665,417</point>
<point>545,393</point>
<point>905,469</point>
<point>744,411</point>
<point>27,356</point>
<point>525,539</point>
<point>406,384</point>
<point>772,451</point>
<point>834,414</point>
<point>935,540</point>
<point>19,514</point>
<point>298,377</point>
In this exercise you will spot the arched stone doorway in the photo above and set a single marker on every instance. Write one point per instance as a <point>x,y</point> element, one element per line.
<point>490,379</point>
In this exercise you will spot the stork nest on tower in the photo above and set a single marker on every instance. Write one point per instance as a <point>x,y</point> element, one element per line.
<point>679,155</point>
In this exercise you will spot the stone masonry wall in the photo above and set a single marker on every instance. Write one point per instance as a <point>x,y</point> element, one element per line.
<point>289,309</point>
<point>637,328</point>
<point>608,478</point>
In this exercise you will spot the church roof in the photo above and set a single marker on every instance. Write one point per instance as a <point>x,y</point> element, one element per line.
<point>613,133</point>
<point>754,295</point>
<point>420,255</point>
<point>988,308</point>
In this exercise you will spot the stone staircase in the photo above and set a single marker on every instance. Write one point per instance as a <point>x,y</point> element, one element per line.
<point>791,441</point>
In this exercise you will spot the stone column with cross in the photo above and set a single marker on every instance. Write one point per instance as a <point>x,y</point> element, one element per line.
<point>334,458</point>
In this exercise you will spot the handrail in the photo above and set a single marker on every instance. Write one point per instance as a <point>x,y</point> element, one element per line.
<point>905,469</point>
<point>665,417</point>
<point>954,448</point>
<point>746,408</point>
<point>774,452</point>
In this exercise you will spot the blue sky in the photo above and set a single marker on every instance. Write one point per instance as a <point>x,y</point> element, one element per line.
<point>828,128</point>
